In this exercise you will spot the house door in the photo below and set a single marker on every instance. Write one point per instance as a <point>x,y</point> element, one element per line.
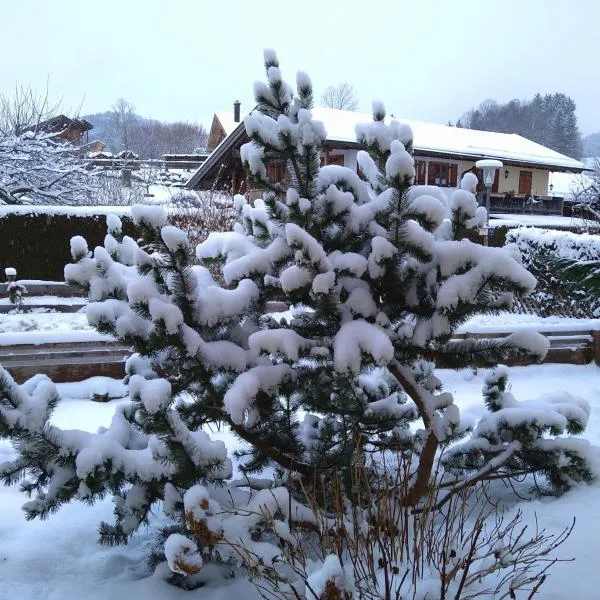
<point>525,178</point>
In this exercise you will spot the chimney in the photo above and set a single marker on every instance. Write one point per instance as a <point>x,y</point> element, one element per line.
<point>236,111</point>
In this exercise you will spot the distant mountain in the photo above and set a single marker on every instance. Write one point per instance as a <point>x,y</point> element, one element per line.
<point>591,144</point>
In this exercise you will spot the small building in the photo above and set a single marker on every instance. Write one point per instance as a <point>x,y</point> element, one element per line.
<point>74,131</point>
<point>442,155</point>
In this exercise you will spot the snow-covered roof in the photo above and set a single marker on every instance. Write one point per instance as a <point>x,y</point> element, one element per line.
<point>227,121</point>
<point>443,139</point>
<point>571,185</point>
<point>429,138</point>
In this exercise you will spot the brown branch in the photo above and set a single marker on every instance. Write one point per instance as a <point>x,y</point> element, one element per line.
<point>419,396</point>
<point>283,460</point>
<point>487,472</point>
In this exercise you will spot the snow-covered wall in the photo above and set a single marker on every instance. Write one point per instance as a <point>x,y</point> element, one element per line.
<point>71,211</point>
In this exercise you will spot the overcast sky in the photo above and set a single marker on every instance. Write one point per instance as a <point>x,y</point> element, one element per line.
<point>429,60</point>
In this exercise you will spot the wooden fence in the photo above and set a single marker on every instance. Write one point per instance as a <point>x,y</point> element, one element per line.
<point>75,361</point>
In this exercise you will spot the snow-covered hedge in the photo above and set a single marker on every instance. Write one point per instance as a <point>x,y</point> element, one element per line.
<point>539,250</point>
<point>35,239</point>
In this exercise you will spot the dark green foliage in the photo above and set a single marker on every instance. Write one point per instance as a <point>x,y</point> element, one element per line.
<point>525,431</point>
<point>549,120</point>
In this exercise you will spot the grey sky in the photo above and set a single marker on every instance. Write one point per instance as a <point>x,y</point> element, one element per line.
<point>183,60</point>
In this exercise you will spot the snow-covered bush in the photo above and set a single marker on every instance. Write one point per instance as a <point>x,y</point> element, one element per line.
<point>378,274</point>
<point>35,168</point>
<point>547,253</point>
<point>112,192</point>
<point>201,213</point>
<point>470,549</point>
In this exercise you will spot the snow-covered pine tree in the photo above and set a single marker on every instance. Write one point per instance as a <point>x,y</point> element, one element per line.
<point>378,274</point>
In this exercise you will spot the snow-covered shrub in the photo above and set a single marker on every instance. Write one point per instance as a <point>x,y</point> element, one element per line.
<point>470,549</point>
<point>378,274</point>
<point>112,192</point>
<point>36,168</point>
<point>546,253</point>
<point>201,213</point>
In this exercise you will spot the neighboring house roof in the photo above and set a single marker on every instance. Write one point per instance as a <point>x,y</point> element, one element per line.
<point>60,123</point>
<point>429,138</point>
<point>572,185</point>
<point>227,122</point>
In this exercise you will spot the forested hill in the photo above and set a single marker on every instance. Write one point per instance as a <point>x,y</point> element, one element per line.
<point>591,144</point>
<point>549,120</point>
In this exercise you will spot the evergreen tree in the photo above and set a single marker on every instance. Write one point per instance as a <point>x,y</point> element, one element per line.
<point>549,120</point>
<point>378,274</point>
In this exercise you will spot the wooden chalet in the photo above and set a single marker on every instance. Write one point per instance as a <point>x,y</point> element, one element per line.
<point>74,131</point>
<point>442,155</point>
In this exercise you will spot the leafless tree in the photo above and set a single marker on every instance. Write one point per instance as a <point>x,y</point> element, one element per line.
<point>122,123</point>
<point>36,166</point>
<point>342,96</point>
<point>586,193</point>
<point>152,139</point>
<point>25,109</point>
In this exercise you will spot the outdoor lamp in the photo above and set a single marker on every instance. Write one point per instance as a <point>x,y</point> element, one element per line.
<point>489,166</point>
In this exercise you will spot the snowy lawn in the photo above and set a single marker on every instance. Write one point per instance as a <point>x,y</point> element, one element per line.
<point>58,558</point>
<point>45,321</point>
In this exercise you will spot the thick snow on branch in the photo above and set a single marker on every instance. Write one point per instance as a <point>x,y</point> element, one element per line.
<point>357,337</point>
<point>243,391</point>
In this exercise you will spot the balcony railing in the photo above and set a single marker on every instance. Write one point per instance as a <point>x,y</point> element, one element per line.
<point>523,204</point>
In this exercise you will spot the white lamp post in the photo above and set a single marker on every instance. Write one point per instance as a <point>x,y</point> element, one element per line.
<point>489,166</point>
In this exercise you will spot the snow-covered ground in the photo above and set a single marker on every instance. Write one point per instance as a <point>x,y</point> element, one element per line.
<point>59,559</point>
<point>43,321</point>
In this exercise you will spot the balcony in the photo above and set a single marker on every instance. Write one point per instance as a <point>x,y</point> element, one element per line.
<point>523,204</point>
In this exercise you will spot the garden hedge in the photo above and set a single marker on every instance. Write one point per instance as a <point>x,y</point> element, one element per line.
<point>35,240</point>
<point>539,250</point>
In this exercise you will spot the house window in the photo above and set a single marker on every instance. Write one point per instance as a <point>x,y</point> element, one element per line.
<point>442,174</point>
<point>480,184</point>
<point>277,171</point>
<point>420,171</point>
<point>496,183</point>
<point>525,178</point>
<point>332,159</point>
